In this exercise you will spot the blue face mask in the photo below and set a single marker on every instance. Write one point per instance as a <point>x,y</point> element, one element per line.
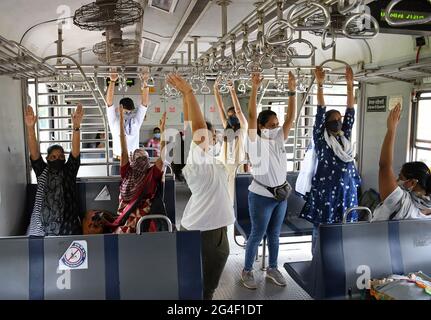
<point>233,121</point>
<point>157,135</point>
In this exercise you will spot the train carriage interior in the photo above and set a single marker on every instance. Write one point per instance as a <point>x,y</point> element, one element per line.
<point>57,54</point>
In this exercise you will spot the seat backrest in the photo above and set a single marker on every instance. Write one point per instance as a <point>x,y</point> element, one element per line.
<point>103,195</point>
<point>149,266</point>
<point>349,255</point>
<point>242,182</point>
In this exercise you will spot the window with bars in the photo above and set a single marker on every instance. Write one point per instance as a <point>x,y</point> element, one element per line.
<point>421,146</point>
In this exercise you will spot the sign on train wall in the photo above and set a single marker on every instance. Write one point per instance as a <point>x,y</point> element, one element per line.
<point>411,10</point>
<point>376,104</point>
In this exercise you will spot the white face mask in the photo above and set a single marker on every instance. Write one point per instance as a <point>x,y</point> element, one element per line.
<point>269,133</point>
<point>215,149</point>
<point>401,185</point>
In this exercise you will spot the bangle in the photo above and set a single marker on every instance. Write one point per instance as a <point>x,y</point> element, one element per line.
<point>291,93</point>
<point>320,86</point>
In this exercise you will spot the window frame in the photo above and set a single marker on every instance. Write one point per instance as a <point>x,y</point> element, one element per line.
<point>414,125</point>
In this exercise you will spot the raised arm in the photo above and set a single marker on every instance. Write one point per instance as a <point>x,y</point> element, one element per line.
<point>145,90</point>
<point>349,80</point>
<point>238,111</point>
<point>30,122</point>
<point>252,106</point>
<point>199,126</point>
<point>163,150</point>
<point>291,110</point>
<point>76,135</point>
<point>123,142</point>
<point>111,88</point>
<point>220,104</point>
<point>387,179</point>
<point>320,78</point>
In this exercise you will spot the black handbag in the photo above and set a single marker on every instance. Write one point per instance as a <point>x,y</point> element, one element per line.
<point>280,193</point>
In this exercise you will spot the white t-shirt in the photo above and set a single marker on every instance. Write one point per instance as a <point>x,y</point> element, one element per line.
<point>232,154</point>
<point>399,201</point>
<point>269,162</point>
<point>132,133</point>
<point>209,206</point>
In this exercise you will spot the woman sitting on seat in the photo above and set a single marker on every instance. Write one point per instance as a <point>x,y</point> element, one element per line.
<point>407,197</point>
<point>137,176</point>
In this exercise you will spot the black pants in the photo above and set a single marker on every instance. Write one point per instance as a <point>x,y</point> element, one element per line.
<point>215,251</point>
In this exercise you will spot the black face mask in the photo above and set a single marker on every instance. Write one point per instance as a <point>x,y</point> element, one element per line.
<point>334,125</point>
<point>56,164</point>
<point>233,121</point>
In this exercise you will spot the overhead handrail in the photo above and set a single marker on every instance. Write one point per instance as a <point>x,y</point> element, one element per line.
<point>278,31</point>
<point>154,217</point>
<point>305,5</point>
<point>372,32</point>
<point>324,37</point>
<point>348,211</point>
<point>346,9</point>
<point>394,23</point>
<point>301,40</point>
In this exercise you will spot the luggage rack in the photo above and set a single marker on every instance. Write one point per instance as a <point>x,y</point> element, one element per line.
<point>18,62</point>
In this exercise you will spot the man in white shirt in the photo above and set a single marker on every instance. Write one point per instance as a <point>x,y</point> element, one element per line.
<point>133,118</point>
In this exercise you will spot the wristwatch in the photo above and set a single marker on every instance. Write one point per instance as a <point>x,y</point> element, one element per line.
<point>320,85</point>
<point>76,129</point>
<point>291,93</point>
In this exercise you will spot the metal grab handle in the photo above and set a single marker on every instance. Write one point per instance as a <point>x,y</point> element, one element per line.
<point>393,23</point>
<point>243,162</point>
<point>345,215</point>
<point>374,31</point>
<point>335,60</point>
<point>278,24</point>
<point>303,5</point>
<point>324,36</point>
<point>345,9</point>
<point>302,56</point>
<point>153,216</point>
<point>275,56</point>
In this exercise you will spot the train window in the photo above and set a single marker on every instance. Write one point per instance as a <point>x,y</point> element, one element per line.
<point>421,137</point>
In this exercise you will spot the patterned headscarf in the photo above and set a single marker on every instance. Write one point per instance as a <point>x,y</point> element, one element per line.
<point>132,182</point>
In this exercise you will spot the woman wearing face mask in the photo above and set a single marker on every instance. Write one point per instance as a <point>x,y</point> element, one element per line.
<point>56,207</point>
<point>209,208</point>
<point>235,124</point>
<point>407,197</point>
<point>267,153</point>
<point>154,142</point>
<point>335,185</point>
<point>138,176</point>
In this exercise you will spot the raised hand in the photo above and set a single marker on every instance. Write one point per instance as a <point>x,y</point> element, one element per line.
<point>77,116</point>
<point>29,117</point>
<point>145,75</point>
<point>291,82</point>
<point>179,83</point>
<point>256,79</point>
<point>349,75</point>
<point>162,123</point>
<point>320,75</point>
<point>394,117</point>
<point>113,76</point>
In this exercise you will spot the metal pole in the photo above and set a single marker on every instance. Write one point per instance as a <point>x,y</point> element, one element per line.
<point>59,43</point>
<point>195,41</point>
<point>189,52</point>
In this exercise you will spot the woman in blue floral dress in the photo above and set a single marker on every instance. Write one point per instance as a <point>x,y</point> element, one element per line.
<point>335,185</point>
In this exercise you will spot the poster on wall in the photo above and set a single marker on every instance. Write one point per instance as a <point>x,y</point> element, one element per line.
<point>376,104</point>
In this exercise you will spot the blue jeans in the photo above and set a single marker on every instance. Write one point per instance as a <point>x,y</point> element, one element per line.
<point>266,215</point>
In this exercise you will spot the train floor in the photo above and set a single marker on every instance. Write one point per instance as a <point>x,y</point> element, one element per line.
<point>230,287</point>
